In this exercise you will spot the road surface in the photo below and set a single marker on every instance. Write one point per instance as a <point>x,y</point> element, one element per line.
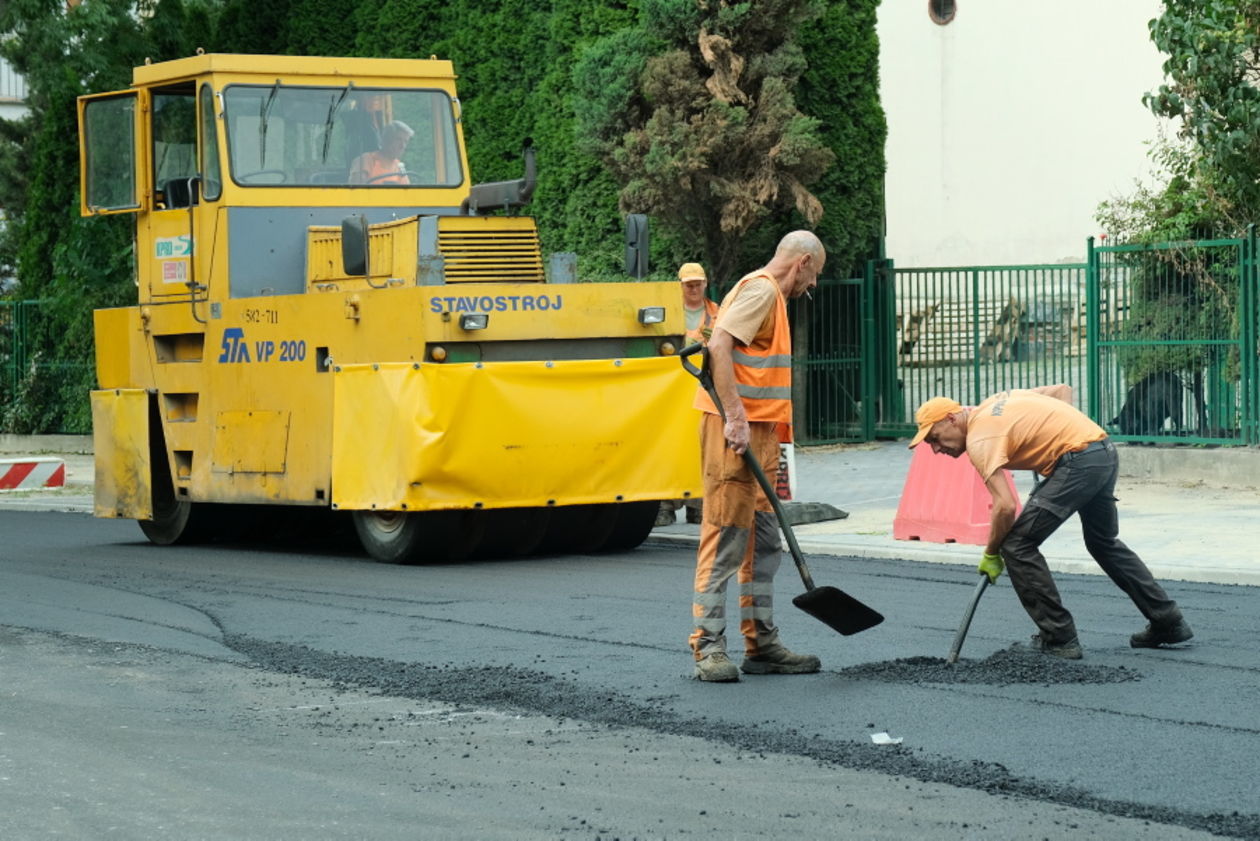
<point>301,691</point>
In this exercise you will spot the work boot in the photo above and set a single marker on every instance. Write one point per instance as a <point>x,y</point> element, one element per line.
<point>694,515</point>
<point>1070,650</point>
<point>1165,633</point>
<point>779,661</point>
<point>665,517</point>
<point>717,668</point>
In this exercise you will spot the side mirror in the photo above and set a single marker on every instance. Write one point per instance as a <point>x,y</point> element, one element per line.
<point>354,245</point>
<point>637,245</point>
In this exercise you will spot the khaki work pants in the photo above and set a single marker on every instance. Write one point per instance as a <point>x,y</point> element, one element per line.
<point>738,534</point>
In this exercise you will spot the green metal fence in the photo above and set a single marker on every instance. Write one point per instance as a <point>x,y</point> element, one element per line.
<point>845,384</point>
<point>15,344</point>
<point>1159,342</point>
<point>970,332</point>
<point>48,388</point>
<point>1173,349</point>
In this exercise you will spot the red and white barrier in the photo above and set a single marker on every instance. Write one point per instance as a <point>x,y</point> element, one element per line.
<point>29,473</point>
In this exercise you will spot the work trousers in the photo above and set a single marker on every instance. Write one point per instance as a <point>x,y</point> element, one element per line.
<point>1083,483</point>
<point>738,534</point>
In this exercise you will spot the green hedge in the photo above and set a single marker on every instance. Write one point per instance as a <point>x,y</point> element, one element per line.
<point>514,58</point>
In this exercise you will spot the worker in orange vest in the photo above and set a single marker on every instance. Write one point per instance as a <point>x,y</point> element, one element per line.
<point>750,358</point>
<point>698,310</point>
<point>698,313</point>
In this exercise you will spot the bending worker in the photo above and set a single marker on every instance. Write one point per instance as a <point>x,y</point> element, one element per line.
<point>698,315</point>
<point>1040,430</point>
<point>750,357</point>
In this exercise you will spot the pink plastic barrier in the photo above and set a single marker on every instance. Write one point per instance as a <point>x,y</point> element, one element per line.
<point>944,500</point>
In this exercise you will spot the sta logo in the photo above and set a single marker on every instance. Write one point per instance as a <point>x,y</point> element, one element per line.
<point>234,348</point>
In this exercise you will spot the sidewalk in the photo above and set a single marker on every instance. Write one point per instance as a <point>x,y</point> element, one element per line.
<point>1192,514</point>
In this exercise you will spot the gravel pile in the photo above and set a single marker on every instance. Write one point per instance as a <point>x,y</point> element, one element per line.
<point>1017,664</point>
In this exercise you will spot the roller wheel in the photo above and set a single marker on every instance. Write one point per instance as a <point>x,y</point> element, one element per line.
<point>178,521</point>
<point>579,528</point>
<point>513,532</point>
<point>634,524</point>
<point>410,537</point>
<point>391,537</point>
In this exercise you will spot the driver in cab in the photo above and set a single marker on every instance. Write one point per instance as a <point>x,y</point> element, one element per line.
<point>385,165</point>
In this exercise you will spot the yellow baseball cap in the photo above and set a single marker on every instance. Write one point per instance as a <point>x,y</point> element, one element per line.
<point>691,271</point>
<point>931,412</point>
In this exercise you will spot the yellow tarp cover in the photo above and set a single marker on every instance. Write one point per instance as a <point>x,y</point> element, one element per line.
<point>120,441</point>
<point>510,434</point>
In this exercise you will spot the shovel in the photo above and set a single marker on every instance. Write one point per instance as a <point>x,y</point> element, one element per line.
<point>975,599</point>
<point>966,620</point>
<point>832,607</point>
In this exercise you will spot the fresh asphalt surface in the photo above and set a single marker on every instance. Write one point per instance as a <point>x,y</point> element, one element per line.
<point>572,673</point>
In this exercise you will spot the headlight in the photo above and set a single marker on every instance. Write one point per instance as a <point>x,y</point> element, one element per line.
<point>651,315</point>
<point>474,321</point>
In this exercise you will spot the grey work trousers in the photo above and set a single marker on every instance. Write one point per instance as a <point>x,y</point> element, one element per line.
<point>1083,483</point>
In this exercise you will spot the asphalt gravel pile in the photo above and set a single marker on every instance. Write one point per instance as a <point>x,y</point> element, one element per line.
<point>511,688</point>
<point>1017,664</point>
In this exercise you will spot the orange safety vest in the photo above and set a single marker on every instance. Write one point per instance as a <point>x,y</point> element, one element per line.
<point>706,322</point>
<point>372,164</point>
<point>763,369</point>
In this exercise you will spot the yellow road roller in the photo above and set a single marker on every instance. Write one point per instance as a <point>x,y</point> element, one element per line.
<point>330,315</point>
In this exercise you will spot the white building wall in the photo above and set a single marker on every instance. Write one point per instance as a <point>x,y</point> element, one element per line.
<point>12,92</point>
<point>1008,126</point>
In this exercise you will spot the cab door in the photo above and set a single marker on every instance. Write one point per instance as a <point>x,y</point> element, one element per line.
<point>111,153</point>
<point>167,236</point>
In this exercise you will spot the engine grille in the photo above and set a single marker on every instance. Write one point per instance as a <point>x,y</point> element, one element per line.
<point>490,249</point>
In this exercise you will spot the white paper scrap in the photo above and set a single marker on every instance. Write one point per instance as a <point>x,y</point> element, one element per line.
<point>885,739</point>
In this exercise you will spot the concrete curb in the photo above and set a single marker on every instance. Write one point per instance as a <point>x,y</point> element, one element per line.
<point>967,556</point>
<point>51,444</point>
<point>1226,467</point>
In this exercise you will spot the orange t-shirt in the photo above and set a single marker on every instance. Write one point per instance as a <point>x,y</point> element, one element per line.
<point>1026,430</point>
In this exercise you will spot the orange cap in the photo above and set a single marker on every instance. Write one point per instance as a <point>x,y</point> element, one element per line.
<point>931,412</point>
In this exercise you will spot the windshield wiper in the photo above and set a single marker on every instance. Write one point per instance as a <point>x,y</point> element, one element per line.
<point>262,125</point>
<point>328,124</point>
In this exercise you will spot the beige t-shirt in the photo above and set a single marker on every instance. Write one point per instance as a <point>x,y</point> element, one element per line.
<point>1026,430</point>
<point>746,309</point>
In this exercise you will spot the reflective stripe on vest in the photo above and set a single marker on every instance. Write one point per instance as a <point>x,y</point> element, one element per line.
<point>763,369</point>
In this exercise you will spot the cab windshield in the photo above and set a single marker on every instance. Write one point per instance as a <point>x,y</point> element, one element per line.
<point>372,138</point>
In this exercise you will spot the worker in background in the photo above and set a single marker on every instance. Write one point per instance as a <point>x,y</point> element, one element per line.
<point>1039,429</point>
<point>750,357</point>
<point>698,313</point>
<point>385,165</point>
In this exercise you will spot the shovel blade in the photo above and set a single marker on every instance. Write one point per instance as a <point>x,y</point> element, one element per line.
<point>838,609</point>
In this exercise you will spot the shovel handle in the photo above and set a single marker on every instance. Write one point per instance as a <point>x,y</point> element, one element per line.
<point>702,373</point>
<point>956,649</point>
<point>705,377</point>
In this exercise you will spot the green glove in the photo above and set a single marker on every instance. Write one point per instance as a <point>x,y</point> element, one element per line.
<point>992,566</point>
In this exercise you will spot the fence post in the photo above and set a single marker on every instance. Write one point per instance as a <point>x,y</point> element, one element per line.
<point>892,396</point>
<point>6,319</point>
<point>977,397</point>
<point>1247,327</point>
<point>1091,328</point>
